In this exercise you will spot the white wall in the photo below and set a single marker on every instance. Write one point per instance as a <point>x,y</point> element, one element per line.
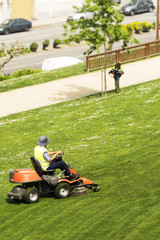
<point>54,8</point>
<point>5,10</point>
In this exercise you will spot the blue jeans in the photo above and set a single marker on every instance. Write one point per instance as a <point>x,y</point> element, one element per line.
<point>59,163</point>
<point>117,83</point>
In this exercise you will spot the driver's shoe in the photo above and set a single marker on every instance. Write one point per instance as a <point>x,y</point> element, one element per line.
<point>74,176</point>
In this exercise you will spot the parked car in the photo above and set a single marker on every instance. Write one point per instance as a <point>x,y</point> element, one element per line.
<point>117,1</point>
<point>137,6</point>
<point>80,15</point>
<point>15,25</point>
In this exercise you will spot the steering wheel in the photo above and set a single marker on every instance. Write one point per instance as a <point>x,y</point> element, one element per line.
<point>61,154</point>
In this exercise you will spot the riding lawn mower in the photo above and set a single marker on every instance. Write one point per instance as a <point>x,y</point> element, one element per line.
<point>35,182</point>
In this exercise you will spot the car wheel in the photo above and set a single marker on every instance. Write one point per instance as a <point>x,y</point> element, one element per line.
<point>150,10</point>
<point>6,31</point>
<point>26,29</point>
<point>132,13</point>
<point>31,195</point>
<point>63,190</point>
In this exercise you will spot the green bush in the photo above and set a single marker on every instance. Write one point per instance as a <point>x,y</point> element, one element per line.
<point>153,25</point>
<point>137,27</point>
<point>56,42</point>
<point>20,73</point>
<point>25,72</point>
<point>5,77</point>
<point>2,54</point>
<point>66,41</point>
<point>146,26</point>
<point>77,39</point>
<point>34,46</point>
<point>25,50</point>
<point>130,27</point>
<point>45,44</point>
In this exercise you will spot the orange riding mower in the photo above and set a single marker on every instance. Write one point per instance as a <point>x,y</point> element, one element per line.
<point>37,181</point>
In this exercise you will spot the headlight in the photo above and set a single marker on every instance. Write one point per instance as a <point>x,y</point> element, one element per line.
<point>127,9</point>
<point>1,29</point>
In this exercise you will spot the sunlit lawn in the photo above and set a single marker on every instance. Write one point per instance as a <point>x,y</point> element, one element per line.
<point>113,141</point>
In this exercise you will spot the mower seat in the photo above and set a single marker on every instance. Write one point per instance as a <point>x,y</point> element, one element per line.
<point>39,170</point>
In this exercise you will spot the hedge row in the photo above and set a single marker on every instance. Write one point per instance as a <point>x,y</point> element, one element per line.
<point>138,27</point>
<point>135,27</point>
<point>20,73</point>
<point>34,45</point>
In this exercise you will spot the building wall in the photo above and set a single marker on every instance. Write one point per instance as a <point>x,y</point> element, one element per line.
<point>22,9</point>
<point>40,9</point>
<point>54,8</point>
<point>4,10</point>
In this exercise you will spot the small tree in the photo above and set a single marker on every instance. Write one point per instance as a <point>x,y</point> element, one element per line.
<point>103,30</point>
<point>13,51</point>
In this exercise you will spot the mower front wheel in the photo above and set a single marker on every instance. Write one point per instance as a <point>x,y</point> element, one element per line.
<point>31,195</point>
<point>63,190</point>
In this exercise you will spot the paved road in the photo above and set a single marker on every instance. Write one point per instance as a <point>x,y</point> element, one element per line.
<point>52,30</point>
<point>35,60</point>
<point>61,90</point>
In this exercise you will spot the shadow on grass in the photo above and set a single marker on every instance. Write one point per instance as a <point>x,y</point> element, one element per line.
<point>13,201</point>
<point>42,196</point>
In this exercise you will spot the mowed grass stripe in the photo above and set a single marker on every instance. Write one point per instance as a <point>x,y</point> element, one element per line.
<point>113,141</point>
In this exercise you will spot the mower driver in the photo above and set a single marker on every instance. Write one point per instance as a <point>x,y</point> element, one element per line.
<point>54,162</point>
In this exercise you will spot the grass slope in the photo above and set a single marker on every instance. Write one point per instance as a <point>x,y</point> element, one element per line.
<point>113,141</point>
<point>42,77</point>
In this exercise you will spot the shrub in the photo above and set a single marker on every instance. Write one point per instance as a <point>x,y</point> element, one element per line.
<point>45,44</point>
<point>56,42</point>
<point>66,41</point>
<point>153,25</point>
<point>77,39</point>
<point>5,77</point>
<point>34,46</point>
<point>130,28</point>
<point>20,73</point>
<point>2,54</point>
<point>146,27</point>
<point>137,27</point>
<point>25,50</point>
<point>25,72</point>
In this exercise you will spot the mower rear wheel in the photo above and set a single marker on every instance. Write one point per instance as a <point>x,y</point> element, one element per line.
<point>31,195</point>
<point>18,190</point>
<point>63,190</point>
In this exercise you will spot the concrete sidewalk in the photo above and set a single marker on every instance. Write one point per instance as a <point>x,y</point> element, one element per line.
<point>77,86</point>
<point>48,21</point>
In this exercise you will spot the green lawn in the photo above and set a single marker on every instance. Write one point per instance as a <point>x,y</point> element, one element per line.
<point>113,141</point>
<point>43,77</point>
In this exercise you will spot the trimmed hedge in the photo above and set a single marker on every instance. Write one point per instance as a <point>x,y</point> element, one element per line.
<point>56,42</point>
<point>45,44</point>
<point>34,46</point>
